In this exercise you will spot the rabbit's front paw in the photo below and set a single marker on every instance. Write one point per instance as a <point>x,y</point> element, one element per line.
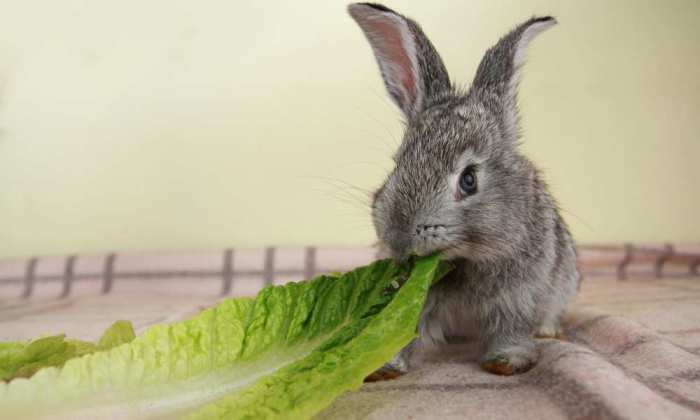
<point>384,373</point>
<point>510,361</point>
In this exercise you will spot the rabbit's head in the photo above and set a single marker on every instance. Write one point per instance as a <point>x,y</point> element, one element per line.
<point>459,185</point>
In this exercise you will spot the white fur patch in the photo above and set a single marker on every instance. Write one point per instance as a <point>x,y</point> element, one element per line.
<point>520,52</point>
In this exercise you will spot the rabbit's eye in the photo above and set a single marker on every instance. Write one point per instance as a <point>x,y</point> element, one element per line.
<point>467,181</point>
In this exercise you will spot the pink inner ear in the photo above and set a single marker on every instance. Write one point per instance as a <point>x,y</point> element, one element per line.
<point>388,40</point>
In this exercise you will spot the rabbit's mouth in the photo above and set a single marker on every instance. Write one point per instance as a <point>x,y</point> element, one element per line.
<point>431,238</point>
<point>421,240</point>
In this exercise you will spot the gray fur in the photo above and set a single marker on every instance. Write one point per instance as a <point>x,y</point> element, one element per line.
<point>516,262</point>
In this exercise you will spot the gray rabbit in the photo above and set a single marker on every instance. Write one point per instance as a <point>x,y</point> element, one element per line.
<point>461,186</point>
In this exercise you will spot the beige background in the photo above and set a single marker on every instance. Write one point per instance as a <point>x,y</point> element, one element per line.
<point>172,124</point>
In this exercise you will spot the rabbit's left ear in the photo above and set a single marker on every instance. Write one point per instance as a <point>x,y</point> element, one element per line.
<point>499,72</point>
<point>413,71</point>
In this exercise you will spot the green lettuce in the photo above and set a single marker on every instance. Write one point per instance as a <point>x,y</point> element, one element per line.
<point>23,359</point>
<point>285,354</point>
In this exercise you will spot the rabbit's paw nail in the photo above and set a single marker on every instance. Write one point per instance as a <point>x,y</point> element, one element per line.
<point>553,333</point>
<point>548,331</point>
<point>501,365</point>
<point>385,373</point>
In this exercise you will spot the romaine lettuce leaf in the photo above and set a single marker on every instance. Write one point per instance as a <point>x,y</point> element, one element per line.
<point>285,354</point>
<point>23,359</point>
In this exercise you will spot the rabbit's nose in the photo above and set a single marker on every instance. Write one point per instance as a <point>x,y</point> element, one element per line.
<point>428,229</point>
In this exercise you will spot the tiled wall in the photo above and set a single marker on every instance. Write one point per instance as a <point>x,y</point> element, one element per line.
<point>244,271</point>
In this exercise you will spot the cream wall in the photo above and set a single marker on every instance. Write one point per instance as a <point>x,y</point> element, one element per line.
<point>170,124</point>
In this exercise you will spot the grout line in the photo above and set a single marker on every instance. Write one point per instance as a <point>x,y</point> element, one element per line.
<point>68,275</point>
<point>663,258</point>
<point>694,267</point>
<point>622,267</point>
<point>227,272</point>
<point>30,277</point>
<point>108,273</point>
<point>310,263</point>
<point>269,266</point>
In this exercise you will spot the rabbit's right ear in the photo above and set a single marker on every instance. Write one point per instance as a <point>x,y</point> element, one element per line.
<point>499,72</point>
<point>411,68</point>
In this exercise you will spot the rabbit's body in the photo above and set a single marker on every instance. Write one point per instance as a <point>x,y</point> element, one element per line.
<point>461,186</point>
<point>505,302</point>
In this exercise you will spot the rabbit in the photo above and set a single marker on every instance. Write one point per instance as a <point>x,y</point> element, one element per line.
<point>461,187</point>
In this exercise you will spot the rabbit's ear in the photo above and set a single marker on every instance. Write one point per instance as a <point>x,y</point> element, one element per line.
<point>411,68</point>
<point>499,72</point>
